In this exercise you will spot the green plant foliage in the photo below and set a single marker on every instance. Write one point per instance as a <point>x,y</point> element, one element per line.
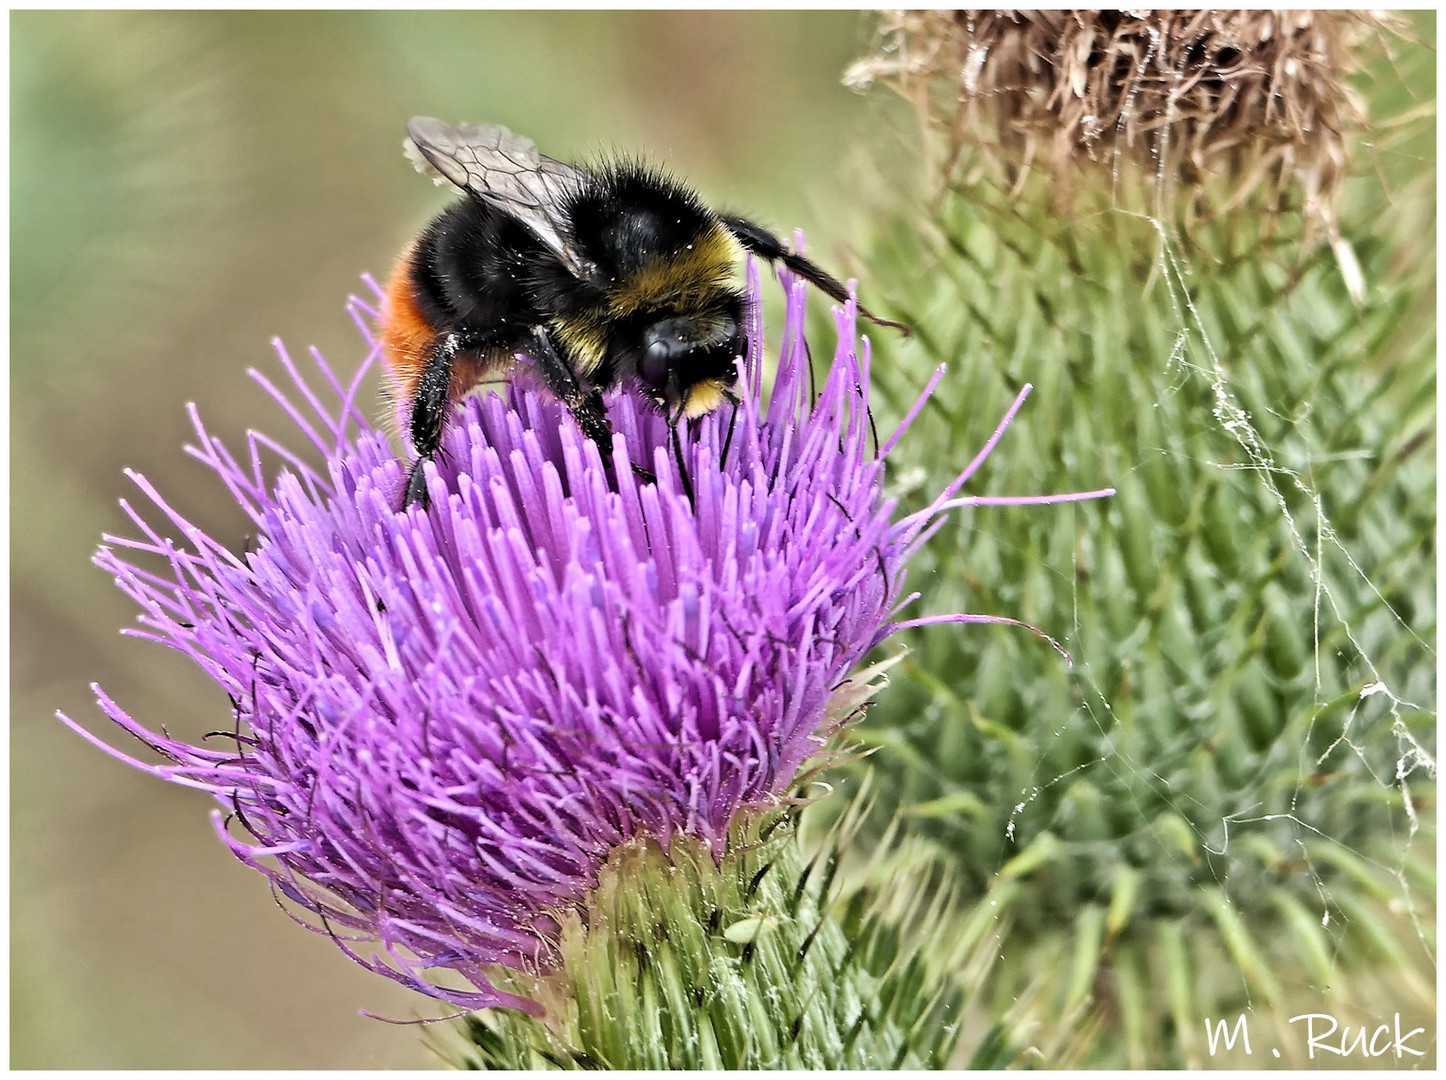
<point>1228,800</point>
<point>757,959</point>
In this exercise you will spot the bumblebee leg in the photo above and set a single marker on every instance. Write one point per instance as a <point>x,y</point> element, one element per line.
<point>586,406</point>
<point>682,466</point>
<point>733,419</point>
<point>429,416</point>
<point>761,242</point>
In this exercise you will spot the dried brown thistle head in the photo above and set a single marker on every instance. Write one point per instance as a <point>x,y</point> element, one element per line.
<point>1258,98</point>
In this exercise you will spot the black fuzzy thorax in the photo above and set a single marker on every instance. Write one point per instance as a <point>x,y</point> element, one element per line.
<point>631,213</point>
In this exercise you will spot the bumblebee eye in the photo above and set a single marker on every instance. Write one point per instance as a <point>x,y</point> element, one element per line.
<point>655,363</point>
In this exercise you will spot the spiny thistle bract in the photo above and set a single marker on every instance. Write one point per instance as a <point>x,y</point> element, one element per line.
<point>760,960</point>
<point>1229,804</point>
<point>446,722</point>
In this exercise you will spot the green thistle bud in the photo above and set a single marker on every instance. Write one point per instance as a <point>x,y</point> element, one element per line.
<point>758,959</point>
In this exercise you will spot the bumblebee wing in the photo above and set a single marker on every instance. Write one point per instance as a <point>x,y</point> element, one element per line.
<point>504,169</point>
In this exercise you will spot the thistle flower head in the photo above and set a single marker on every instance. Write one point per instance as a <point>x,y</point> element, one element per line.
<point>445,720</point>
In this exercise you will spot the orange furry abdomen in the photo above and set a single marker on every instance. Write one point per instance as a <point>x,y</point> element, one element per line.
<point>407,337</point>
<point>408,341</point>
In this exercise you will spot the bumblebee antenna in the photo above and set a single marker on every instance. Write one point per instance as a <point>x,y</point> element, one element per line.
<point>763,243</point>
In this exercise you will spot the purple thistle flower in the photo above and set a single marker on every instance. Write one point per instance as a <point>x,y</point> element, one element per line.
<point>445,720</point>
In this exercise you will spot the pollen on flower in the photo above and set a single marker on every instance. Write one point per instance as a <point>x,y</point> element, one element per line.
<point>446,720</point>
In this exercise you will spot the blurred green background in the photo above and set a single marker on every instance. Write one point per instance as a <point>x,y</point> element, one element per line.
<point>184,186</point>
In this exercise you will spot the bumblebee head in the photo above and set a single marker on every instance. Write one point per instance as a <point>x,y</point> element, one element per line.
<point>687,364</point>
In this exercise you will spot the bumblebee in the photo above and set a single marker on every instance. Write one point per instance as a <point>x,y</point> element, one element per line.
<point>606,277</point>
